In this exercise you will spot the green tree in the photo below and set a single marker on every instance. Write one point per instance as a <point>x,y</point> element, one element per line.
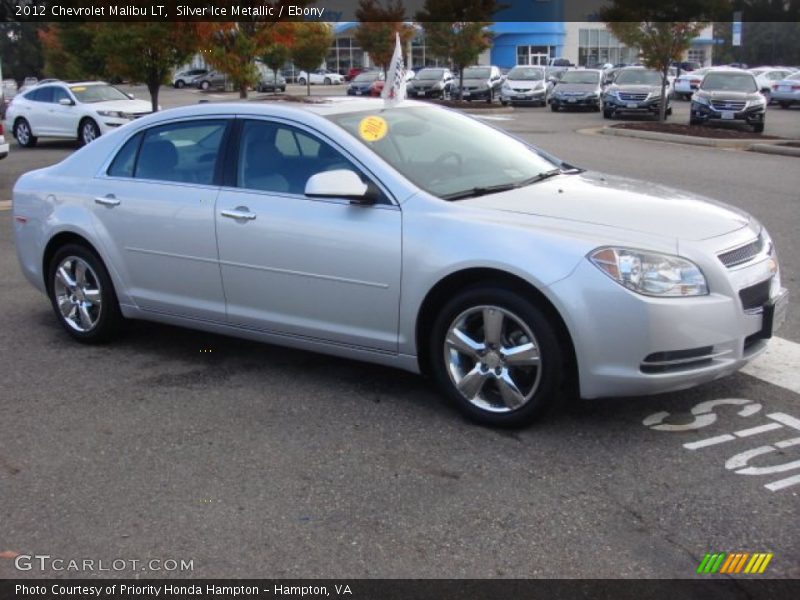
<point>311,44</point>
<point>275,56</point>
<point>377,28</point>
<point>662,32</point>
<point>145,51</point>
<point>457,30</point>
<point>21,50</point>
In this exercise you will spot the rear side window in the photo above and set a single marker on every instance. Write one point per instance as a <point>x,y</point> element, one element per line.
<point>125,160</point>
<point>185,152</point>
<point>43,94</point>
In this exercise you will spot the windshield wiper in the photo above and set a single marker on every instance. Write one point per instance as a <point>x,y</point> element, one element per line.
<point>503,187</point>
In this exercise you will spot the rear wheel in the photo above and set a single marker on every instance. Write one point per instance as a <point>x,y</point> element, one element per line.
<point>204,85</point>
<point>23,134</point>
<point>82,294</point>
<point>496,356</point>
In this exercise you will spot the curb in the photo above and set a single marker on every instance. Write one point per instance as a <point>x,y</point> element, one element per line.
<point>775,149</point>
<point>693,141</point>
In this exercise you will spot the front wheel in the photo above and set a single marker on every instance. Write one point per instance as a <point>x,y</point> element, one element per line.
<point>553,107</point>
<point>608,114</point>
<point>327,81</point>
<point>758,127</point>
<point>88,132</point>
<point>496,356</point>
<point>204,85</point>
<point>179,84</point>
<point>82,294</point>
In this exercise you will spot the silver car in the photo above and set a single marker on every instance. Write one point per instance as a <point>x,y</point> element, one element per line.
<point>411,236</point>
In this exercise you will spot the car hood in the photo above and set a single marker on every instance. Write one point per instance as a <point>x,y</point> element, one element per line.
<point>740,96</point>
<point>577,87</point>
<point>129,106</point>
<point>623,203</point>
<point>525,84</point>
<point>636,89</point>
<point>476,81</point>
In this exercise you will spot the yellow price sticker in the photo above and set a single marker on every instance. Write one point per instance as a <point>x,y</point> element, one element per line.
<point>372,128</point>
<point>78,89</point>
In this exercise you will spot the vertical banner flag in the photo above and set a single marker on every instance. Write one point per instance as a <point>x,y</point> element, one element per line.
<point>394,90</point>
<point>736,37</point>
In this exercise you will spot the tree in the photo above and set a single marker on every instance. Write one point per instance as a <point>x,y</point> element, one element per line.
<point>377,28</point>
<point>232,47</point>
<point>460,41</point>
<point>21,50</point>
<point>661,31</point>
<point>311,44</point>
<point>275,56</point>
<point>145,51</point>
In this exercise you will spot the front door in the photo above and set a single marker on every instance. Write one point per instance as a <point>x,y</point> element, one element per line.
<point>318,269</point>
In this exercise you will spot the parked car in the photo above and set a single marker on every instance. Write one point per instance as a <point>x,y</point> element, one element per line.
<point>519,273</point>
<point>635,90</point>
<point>767,76</point>
<point>581,88</point>
<point>3,143</point>
<point>271,82</point>
<point>82,111</point>
<point>787,91</point>
<point>353,72</point>
<point>30,81</point>
<point>211,80</point>
<point>7,93</point>
<point>361,83</point>
<point>320,76</point>
<point>687,83</point>
<point>431,82</point>
<point>480,83</point>
<point>185,77</point>
<point>524,85</point>
<point>376,87</point>
<point>730,95</point>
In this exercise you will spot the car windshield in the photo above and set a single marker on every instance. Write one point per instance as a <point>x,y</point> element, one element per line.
<point>696,74</point>
<point>476,73</point>
<point>638,77</point>
<point>580,77</point>
<point>444,152</point>
<point>429,74</point>
<point>794,76</point>
<point>526,74</point>
<point>758,72</point>
<point>367,76</point>
<point>729,82</point>
<point>97,93</point>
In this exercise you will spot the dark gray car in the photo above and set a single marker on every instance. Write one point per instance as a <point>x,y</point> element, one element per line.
<point>480,83</point>
<point>580,88</point>
<point>636,90</point>
<point>729,95</point>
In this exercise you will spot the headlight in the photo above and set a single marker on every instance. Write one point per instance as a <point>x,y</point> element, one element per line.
<point>758,102</point>
<point>699,100</point>
<point>650,273</point>
<point>112,113</point>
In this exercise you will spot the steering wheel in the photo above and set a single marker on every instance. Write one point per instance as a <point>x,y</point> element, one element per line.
<point>438,165</point>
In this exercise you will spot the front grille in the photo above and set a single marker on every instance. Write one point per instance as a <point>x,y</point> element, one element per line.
<point>720,105</point>
<point>521,90</point>
<point>631,97</point>
<point>742,254</point>
<point>756,295</point>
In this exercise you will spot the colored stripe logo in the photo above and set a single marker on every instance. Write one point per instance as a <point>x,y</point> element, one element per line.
<point>734,562</point>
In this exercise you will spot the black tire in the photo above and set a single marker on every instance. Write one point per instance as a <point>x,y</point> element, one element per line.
<point>326,81</point>
<point>553,107</point>
<point>758,127</point>
<point>504,102</point>
<point>180,83</point>
<point>23,128</point>
<point>548,374</point>
<point>204,85</point>
<point>785,104</point>
<point>109,318</point>
<point>693,121</point>
<point>301,81</point>
<point>608,114</point>
<point>669,111</point>
<point>88,131</point>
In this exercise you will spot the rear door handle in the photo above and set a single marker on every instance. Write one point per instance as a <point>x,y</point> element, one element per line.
<point>107,200</point>
<point>239,213</point>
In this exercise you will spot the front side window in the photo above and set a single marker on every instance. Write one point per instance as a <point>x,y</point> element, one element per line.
<point>181,152</point>
<point>274,157</point>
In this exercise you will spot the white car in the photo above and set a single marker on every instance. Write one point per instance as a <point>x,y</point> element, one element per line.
<point>3,143</point>
<point>767,76</point>
<point>787,91</point>
<point>82,111</point>
<point>322,76</point>
<point>687,82</point>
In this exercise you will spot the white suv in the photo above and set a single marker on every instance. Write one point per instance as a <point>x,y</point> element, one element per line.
<point>82,111</point>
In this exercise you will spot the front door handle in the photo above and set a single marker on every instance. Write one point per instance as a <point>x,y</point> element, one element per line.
<point>240,212</point>
<point>107,200</point>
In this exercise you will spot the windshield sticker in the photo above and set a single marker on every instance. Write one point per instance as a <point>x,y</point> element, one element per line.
<point>78,89</point>
<point>372,128</point>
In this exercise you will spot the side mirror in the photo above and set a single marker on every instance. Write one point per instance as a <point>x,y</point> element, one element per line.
<point>340,183</point>
<point>131,96</point>
<point>66,102</point>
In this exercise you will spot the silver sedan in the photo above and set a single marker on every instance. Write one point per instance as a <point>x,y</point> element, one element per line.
<point>411,236</point>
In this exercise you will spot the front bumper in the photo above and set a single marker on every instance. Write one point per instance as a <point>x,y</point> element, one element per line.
<point>575,101</point>
<point>352,91</point>
<point>752,114</point>
<point>650,105</point>
<point>425,93</point>
<point>627,344</point>
<point>523,96</point>
<point>476,94</point>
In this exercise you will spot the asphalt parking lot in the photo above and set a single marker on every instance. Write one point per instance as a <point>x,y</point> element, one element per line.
<point>256,461</point>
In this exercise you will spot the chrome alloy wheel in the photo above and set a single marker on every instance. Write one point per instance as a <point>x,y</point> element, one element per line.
<point>78,295</point>
<point>493,358</point>
<point>23,133</point>
<point>89,132</point>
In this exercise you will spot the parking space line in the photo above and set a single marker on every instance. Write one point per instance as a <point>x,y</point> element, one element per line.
<point>783,483</point>
<point>787,420</point>
<point>757,430</point>
<point>778,365</point>
<point>712,441</point>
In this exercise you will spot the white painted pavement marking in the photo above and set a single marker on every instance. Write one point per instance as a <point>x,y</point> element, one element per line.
<point>757,430</point>
<point>787,420</point>
<point>779,365</point>
<point>710,441</point>
<point>783,483</point>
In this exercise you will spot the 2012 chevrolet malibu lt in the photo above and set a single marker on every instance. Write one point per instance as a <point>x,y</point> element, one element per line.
<point>411,236</point>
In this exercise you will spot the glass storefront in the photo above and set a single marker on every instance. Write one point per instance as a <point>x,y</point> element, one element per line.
<point>533,55</point>
<point>344,55</point>
<point>599,46</point>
